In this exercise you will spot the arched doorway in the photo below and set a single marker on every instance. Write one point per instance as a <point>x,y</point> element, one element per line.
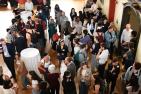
<point>131,15</point>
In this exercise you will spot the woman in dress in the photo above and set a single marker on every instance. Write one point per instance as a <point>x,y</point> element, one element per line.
<point>84,78</point>
<point>73,14</point>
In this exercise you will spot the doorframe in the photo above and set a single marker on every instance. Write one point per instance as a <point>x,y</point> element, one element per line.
<point>137,13</point>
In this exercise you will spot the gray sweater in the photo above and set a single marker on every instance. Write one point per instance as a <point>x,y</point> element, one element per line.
<point>128,75</point>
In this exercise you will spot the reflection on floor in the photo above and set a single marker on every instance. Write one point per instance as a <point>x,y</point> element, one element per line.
<point>6,14</point>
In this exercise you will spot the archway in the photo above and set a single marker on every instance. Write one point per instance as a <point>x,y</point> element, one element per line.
<point>131,15</point>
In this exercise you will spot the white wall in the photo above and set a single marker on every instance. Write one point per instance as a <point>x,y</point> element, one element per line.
<point>118,10</point>
<point>105,6</point>
<point>118,19</point>
<point>138,54</point>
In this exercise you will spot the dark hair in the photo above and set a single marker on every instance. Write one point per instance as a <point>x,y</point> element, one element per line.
<point>80,13</point>
<point>13,21</point>
<point>115,59</point>
<point>69,59</point>
<point>72,9</point>
<point>67,24</point>
<point>57,8</point>
<point>34,76</point>
<point>76,40</point>
<point>29,17</point>
<point>131,46</point>
<point>102,45</point>
<point>85,32</point>
<point>82,46</point>
<point>67,73</point>
<point>43,85</point>
<point>98,30</point>
<point>137,65</point>
<point>7,29</point>
<point>134,33</point>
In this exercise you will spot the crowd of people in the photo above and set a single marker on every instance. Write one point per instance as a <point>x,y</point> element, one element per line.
<point>90,47</point>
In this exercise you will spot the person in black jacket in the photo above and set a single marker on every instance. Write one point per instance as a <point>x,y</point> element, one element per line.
<point>8,51</point>
<point>1,75</point>
<point>73,14</point>
<point>62,51</point>
<point>68,84</point>
<point>112,73</point>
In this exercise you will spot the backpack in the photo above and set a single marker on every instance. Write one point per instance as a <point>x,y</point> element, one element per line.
<point>134,80</point>
<point>79,56</point>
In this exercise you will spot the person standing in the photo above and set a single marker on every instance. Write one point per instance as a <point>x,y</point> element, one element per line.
<point>53,79</point>
<point>13,3</point>
<point>110,38</point>
<point>70,66</point>
<point>73,14</point>
<point>102,58</point>
<point>28,5</point>
<point>51,28</point>
<point>63,19</point>
<point>112,73</point>
<point>126,37</point>
<point>68,84</point>
<point>84,77</point>
<point>132,78</point>
<point>62,51</point>
<point>8,56</point>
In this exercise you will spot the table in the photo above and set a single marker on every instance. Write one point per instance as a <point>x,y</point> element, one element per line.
<point>24,15</point>
<point>31,58</point>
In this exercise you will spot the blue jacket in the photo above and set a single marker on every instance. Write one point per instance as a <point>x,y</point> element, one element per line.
<point>109,39</point>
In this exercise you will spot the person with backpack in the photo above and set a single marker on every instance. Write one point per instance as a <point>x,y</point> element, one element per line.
<point>133,78</point>
<point>99,35</point>
<point>110,38</point>
<point>81,56</point>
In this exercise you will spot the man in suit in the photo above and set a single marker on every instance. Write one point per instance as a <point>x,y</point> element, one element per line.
<point>8,51</point>
<point>70,66</point>
<point>72,69</point>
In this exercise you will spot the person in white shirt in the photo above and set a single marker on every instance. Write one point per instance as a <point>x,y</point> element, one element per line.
<point>77,25</point>
<point>93,7</point>
<point>126,35</point>
<point>102,58</point>
<point>28,5</point>
<point>91,27</point>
